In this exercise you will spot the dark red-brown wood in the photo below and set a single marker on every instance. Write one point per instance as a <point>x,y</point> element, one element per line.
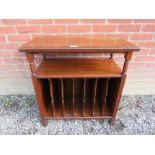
<point>52,96</point>
<point>77,43</point>
<point>79,88</point>
<point>58,68</point>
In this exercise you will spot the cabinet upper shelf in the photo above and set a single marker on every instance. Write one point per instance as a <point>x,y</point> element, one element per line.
<point>78,44</point>
<point>68,68</point>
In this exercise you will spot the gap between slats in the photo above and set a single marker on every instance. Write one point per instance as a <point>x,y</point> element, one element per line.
<point>84,95</point>
<point>73,96</point>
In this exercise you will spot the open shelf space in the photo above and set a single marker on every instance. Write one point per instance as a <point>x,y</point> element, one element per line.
<point>79,97</point>
<point>78,68</point>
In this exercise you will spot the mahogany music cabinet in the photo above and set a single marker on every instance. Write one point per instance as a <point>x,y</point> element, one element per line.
<point>79,87</point>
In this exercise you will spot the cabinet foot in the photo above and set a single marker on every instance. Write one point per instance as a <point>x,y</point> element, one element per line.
<point>44,122</point>
<point>112,123</point>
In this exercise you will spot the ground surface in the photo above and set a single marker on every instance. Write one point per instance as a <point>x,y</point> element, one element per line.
<point>19,115</point>
<point>140,86</point>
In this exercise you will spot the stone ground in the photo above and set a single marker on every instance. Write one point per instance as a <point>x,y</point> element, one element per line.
<point>19,116</point>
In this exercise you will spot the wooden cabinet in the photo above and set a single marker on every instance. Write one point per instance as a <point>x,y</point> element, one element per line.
<point>78,88</point>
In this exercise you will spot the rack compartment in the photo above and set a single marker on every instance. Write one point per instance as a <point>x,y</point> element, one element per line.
<point>79,97</point>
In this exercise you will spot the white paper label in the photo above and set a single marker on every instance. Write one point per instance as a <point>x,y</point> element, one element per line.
<point>73,46</point>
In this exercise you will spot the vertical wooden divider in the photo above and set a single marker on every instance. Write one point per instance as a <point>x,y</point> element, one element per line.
<point>62,97</point>
<point>73,96</point>
<point>94,96</point>
<point>84,95</point>
<point>105,95</point>
<point>111,55</point>
<point>52,95</point>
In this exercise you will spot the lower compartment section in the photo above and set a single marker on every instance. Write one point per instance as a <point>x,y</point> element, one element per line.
<point>80,97</point>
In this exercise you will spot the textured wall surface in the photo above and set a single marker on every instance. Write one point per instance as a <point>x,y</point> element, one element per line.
<point>14,70</point>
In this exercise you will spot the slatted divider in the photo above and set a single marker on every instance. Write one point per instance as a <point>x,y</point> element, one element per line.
<point>79,97</point>
<point>94,96</point>
<point>52,96</point>
<point>62,97</point>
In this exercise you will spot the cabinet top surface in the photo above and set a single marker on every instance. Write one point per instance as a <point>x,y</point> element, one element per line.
<point>77,43</point>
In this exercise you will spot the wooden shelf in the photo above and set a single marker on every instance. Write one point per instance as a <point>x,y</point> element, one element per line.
<point>78,44</point>
<point>68,68</point>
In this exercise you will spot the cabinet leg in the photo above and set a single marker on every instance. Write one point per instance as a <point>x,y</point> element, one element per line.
<point>112,123</point>
<point>44,122</point>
